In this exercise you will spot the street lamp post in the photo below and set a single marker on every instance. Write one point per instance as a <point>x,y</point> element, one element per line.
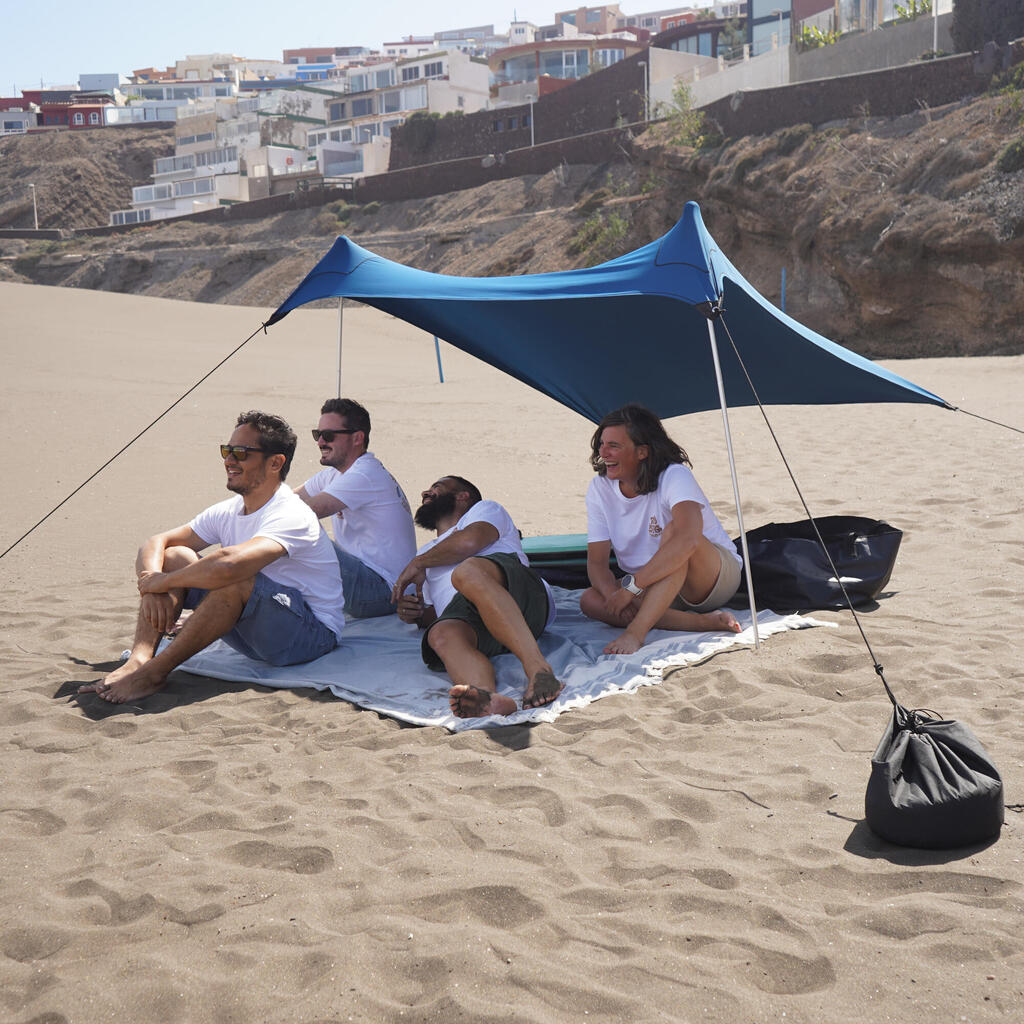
<point>35,209</point>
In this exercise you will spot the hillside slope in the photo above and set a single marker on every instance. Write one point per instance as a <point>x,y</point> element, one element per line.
<point>80,176</point>
<point>900,237</point>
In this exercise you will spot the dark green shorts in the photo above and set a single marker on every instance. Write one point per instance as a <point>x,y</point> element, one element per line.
<point>527,591</point>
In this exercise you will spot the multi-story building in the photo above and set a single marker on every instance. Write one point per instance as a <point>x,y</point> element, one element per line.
<point>518,70</point>
<point>369,101</point>
<point>597,21</point>
<point>205,169</point>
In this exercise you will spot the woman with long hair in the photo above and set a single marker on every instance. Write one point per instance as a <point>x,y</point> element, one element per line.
<point>647,507</point>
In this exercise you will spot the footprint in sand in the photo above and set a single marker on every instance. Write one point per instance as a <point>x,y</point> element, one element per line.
<point>303,860</point>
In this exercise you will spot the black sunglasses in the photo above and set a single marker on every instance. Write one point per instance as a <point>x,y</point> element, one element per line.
<point>240,451</point>
<point>329,435</point>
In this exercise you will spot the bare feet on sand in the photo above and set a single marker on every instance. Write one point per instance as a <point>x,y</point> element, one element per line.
<point>473,702</point>
<point>130,681</point>
<point>720,621</point>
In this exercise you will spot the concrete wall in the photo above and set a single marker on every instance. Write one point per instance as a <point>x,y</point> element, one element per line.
<point>888,93</point>
<point>885,48</point>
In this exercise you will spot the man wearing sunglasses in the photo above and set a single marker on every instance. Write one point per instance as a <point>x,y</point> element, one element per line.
<point>475,598</point>
<point>373,533</point>
<point>271,591</point>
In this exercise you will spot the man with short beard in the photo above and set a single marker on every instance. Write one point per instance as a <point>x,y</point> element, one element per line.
<point>372,522</point>
<point>272,591</point>
<point>475,598</point>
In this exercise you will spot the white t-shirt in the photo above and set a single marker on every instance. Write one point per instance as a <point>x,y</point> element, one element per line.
<point>309,563</point>
<point>376,524</point>
<point>634,525</point>
<point>439,591</point>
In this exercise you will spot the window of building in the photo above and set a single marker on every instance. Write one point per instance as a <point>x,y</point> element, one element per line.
<point>593,16</point>
<point>388,125</point>
<point>336,111</point>
<point>511,124</point>
<point>392,102</point>
<point>315,138</point>
<point>78,119</point>
<point>414,98</point>
<point>366,132</point>
<point>360,108</point>
<point>94,117</point>
<point>130,216</point>
<point>411,74</point>
<point>435,69</point>
<point>460,101</point>
<point>358,83</point>
<point>225,155</point>
<point>384,79</point>
<point>498,126</point>
<point>569,19</point>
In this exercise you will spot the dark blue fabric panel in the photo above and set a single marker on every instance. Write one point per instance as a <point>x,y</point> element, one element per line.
<point>632,329</point>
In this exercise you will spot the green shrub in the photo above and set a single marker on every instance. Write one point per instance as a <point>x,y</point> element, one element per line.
<point>325,223</point>
<point>371,208</point>
<point>599,238</point>
<point>1012,158</point>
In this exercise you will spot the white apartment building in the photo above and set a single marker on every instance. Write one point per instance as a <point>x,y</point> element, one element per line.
<point>204,172</point>
<point>370,101</point>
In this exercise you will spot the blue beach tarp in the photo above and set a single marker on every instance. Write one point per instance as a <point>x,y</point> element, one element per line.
<point>634,329</point>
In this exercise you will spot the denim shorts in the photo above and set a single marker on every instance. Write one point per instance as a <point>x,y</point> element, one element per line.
<point>276,625</point>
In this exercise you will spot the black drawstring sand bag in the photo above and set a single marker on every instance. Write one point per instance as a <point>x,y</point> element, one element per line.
<point>792,571</point>
<point>932,784</point>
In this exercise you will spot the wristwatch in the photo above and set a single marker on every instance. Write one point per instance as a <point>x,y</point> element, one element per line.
<point>627,583</point>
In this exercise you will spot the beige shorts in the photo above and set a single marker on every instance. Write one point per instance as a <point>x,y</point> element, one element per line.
<point>727,585</point>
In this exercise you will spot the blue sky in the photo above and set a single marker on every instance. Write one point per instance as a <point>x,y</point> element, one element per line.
<point>65,38</point>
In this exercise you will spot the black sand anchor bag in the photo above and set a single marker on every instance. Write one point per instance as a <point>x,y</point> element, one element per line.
<point>932,784</point>
<point>792,573</point>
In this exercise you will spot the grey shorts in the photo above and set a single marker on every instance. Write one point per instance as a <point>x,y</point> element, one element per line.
<point>527,590</point>
<point>727,585</point>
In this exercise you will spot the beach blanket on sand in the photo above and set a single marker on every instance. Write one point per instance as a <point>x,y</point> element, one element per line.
<point>378,665</point>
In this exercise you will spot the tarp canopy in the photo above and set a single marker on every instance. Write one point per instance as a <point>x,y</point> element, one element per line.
<point>634,329</point>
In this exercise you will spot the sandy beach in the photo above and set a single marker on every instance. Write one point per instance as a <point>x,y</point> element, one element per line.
<point>693,852</point>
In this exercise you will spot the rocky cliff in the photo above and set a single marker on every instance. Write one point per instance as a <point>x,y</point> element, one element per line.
<point>899,237</point>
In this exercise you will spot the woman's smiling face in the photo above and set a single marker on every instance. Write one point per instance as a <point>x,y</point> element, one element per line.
<point>621,457</point>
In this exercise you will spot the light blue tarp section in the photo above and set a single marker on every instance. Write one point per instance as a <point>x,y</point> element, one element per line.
<point>630,330</point>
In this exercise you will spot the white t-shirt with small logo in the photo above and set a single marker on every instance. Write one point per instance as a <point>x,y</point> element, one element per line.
<point>634,525</point>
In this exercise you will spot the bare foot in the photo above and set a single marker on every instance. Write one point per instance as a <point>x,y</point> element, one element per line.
<point>543,689</point>
<point>719,622</point>
<point>625,643</point>
<point>129,667</point>
<point>140,681</point>
<point>472,702</point>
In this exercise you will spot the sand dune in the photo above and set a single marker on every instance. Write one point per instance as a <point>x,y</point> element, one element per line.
<point>695,852</point>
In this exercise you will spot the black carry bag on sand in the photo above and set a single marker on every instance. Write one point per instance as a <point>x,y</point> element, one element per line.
<point>932,784</point>
<point>792,573</point>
